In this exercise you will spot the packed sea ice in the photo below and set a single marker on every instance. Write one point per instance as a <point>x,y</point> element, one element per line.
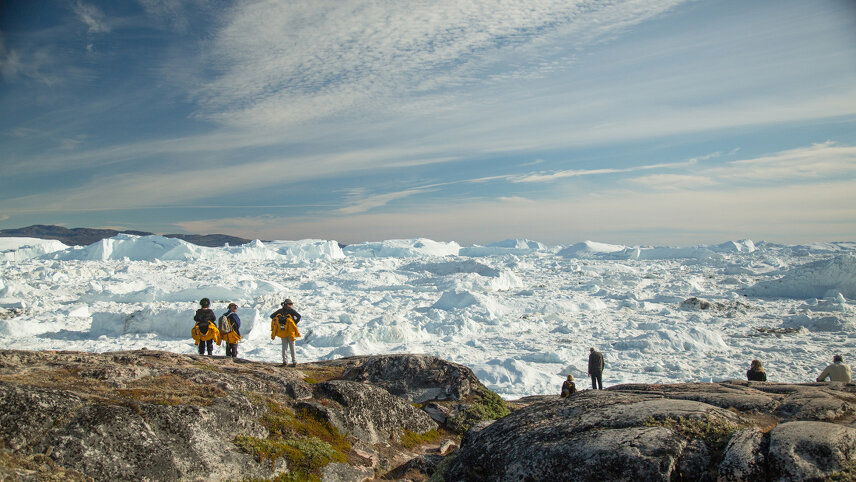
<point>520,313</point>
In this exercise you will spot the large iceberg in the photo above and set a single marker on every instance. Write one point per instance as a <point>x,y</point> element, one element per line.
<point>402,248</point>
<point>812,280</point>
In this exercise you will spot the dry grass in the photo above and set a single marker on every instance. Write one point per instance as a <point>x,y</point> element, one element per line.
<point>58,378</point>
<point>162,389</point>
<point>316,374</point>
<point>170,390</point>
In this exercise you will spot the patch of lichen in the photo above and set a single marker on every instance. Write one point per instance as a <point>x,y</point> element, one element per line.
<point>207,366</point>
<point>306,443</point>
<point>35,467</point>
<point>485,405</point>
<point>289,477</point>
<point>439,474</point>
<point>847,474</point>
<point>410,439</point>
<point>715,433</point>
<point>169,390</point>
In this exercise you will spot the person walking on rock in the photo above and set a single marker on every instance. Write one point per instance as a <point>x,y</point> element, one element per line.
<point>283,324</point>
<point>595,369</point>
<point>837,372</point>
<point>205,332</point>
<point>756,372</point>
<point>569,387</point>
<point>230,329</point>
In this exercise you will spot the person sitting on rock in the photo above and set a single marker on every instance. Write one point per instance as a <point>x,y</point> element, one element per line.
<point>283,324</point>
<point>756,372</point>
<point>230,330</point>
<point>205,332</point>
<point>837,372</point>
<point>569,387</point>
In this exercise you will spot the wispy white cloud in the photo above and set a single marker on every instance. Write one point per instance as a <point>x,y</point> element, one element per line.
<point>174,14</point>
<point>289,62</point>
<point>821,211</point>
<point>92,17</point>
<point>32,63</point>
<point>547,177</point>
<point>364,204</point>
<point>672,182</point>
<point>818,162</point>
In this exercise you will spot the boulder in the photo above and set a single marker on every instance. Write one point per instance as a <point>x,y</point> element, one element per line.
<point>368,412</point>
<point>744,456</point>
<point>810,450</point>
<point>417,378</point>
<point>594,435</point>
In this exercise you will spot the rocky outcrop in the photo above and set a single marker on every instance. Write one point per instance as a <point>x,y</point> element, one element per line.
<point>417,378</point>
<point>707,431</point>
<point>147,415</point>
<point>368,412</point>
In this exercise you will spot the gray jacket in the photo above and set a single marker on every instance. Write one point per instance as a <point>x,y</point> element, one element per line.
<point>595,366</point>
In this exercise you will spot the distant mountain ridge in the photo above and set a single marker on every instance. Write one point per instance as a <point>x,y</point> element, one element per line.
<point>87,236</point>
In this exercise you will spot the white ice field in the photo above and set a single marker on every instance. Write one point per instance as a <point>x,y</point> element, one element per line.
<point>521,314</point>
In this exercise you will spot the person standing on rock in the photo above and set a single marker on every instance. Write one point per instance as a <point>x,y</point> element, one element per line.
<point>205,332</point>
<point>756,372</point>
<point>595,368</point>
<point>230,330</point>
<point>569,387</point>
<point>837,372</point>
<point>284,325</point>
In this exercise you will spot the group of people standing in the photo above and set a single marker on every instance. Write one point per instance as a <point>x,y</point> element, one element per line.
<point>209,330</point>
<point>836,372</point>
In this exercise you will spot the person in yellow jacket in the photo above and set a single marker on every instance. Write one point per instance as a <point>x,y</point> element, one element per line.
<point>283,324</point>
<point>230,330</point>
<point>205,332</point>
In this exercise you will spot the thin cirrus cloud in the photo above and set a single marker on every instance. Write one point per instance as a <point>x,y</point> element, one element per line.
<point>623,217</point>
<point>421,104</point>
<point>281,63</point>
<point>816,163</point>
<point>91,16</point>
<point>547,177</point>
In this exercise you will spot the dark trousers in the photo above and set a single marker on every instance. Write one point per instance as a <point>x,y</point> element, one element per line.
<point>232,349</point>
<point>596,383</point>
<point>203,345</point>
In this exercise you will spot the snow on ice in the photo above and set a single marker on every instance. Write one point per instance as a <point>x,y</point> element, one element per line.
<point>520,313</point>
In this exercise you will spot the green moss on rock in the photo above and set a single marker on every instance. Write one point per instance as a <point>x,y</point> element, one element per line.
<point>306,444</point>
<point>486,405</point>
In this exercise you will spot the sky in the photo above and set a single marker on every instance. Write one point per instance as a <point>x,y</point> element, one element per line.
<point>662,122</point>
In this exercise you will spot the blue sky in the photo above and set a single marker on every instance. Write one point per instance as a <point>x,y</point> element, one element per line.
<point>652,122</point>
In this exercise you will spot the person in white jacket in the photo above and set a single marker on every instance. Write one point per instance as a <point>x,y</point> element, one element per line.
<point>837,372</point>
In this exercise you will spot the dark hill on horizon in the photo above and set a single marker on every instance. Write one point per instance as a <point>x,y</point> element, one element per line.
<point>87,236</point>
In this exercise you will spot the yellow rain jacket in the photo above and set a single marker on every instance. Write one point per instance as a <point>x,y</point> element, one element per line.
<point>231,337</point>
<point>288,331</point>
<point>212,334</point>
